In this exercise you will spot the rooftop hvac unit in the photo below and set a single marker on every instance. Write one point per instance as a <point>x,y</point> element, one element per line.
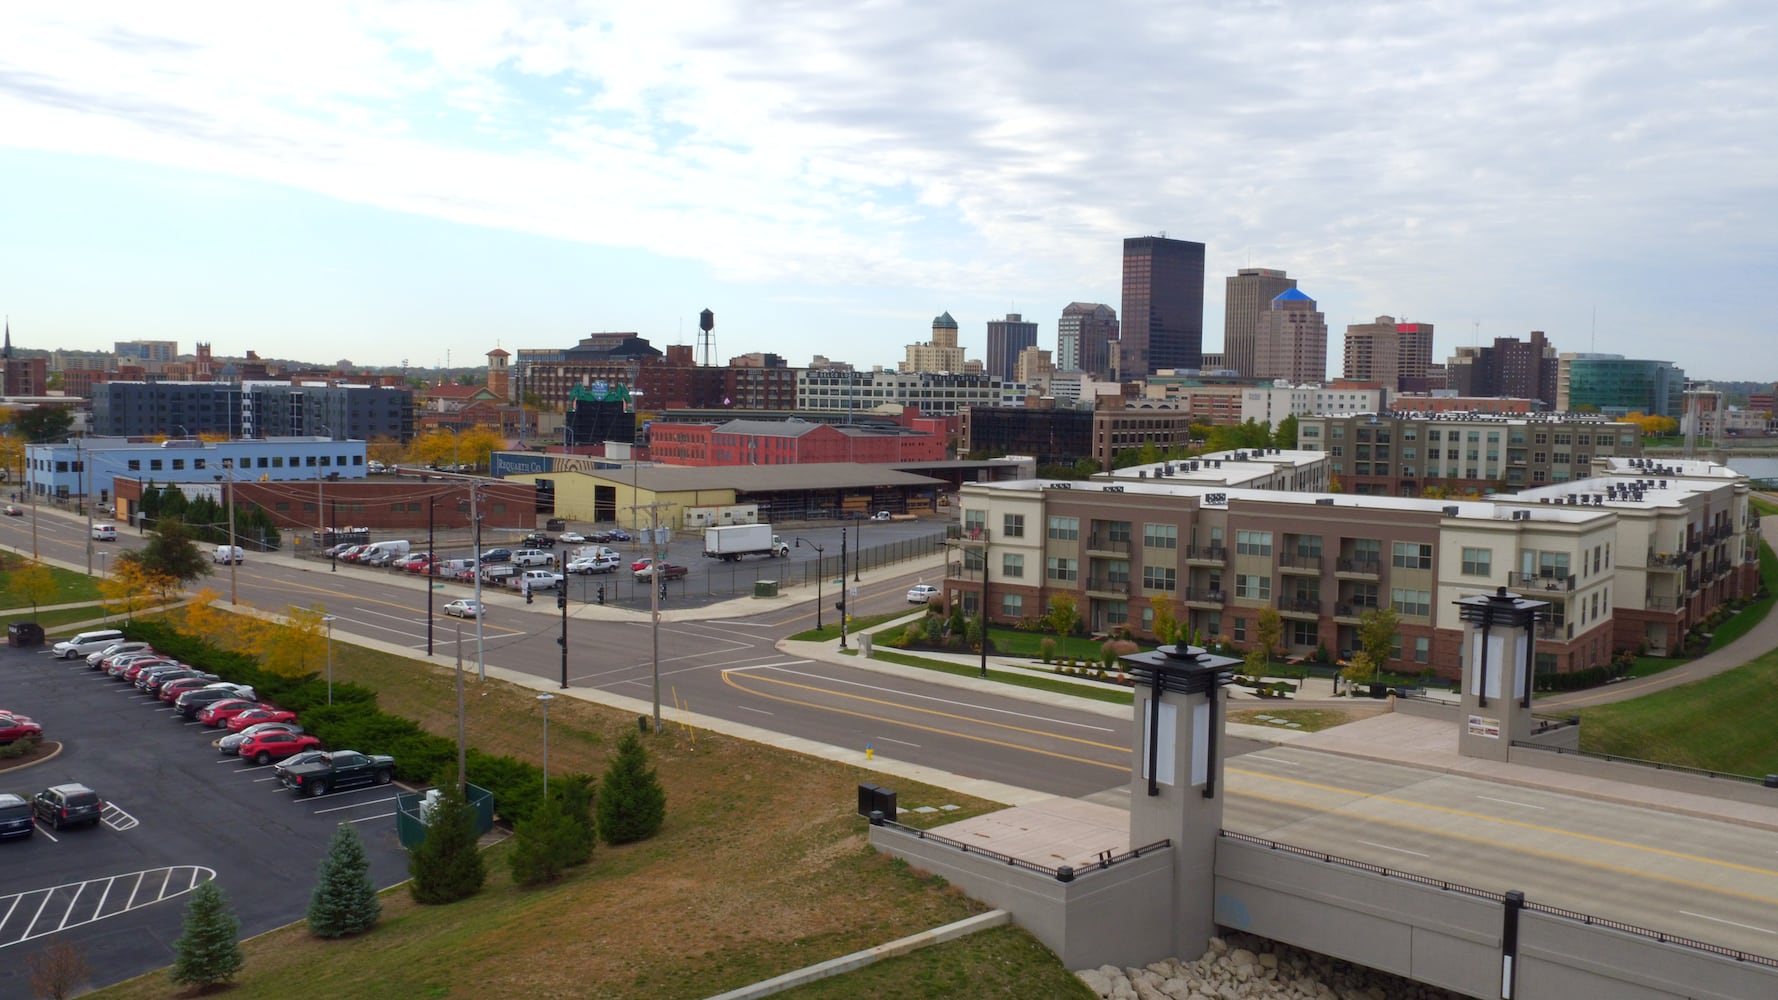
<point>1451,510</point>
<point>1324,501</point>
<point>1143,473</point>
<point>1543,499</point>
<point>1521,515</point>
<point>1598,499</point>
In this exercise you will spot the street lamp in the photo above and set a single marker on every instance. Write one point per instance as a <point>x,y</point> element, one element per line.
<point>858,560</point>
<point>328,620</point>
<point>842,604</point>
<point>102,557</point>
<point>545,698</point>
<point>820,569</point>
<point>228,467</point>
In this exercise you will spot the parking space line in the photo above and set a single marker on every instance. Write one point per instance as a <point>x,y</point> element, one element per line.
<point>105,895</point>
<point>366,819</point>
<point>117,819</point>
<point>69,912</point>
<point>354,805</point>
<point>137,887</point>
<point>76,915</point>
<point>41,832</point>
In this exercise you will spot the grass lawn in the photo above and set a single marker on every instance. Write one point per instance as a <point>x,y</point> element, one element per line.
<point>1000,964</point>
<point>762,868</point>
<point>1765,507</point>
<point>830,631</point>
<point>58,624</point>
<point>1756,610</point>
<point>1723,723</point>
<point>70,586</point>
<point>1311,720</point>
<point>1649,665</point>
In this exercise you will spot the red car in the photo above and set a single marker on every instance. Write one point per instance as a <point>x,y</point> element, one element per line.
<point>17,727</point>
<point>171,690</point>
<point>217,715</point>
<point>256,715</point>
<point>267,747</point>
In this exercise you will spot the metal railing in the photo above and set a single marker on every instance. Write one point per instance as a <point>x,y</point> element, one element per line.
<point>1301,605</point>
<point>1103,543</point>
<point>1109,585</point>
<point>1664,560</point>
<point>1298,561</point>
<point>1540,581</point>
<point>1369,567</point>
<point>1211,553</point>
<point>1653,764</point>
<point>1468,890</point>
<point>1202,595</point>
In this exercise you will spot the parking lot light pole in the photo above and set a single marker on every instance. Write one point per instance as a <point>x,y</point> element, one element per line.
<point>858,560</point>
<point>328,620</point>
<point>820,568</point>
<point>545,698</point>
<point>842,605</point>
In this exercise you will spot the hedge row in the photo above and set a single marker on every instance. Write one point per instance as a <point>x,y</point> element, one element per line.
<point>1581,679</point>
<point>355,721</point>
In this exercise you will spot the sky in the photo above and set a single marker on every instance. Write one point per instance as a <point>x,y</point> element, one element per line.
<point>416,183</point>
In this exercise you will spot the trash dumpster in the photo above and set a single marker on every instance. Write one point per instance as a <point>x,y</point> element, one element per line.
<point>765,588</point>
<point>24,634</point>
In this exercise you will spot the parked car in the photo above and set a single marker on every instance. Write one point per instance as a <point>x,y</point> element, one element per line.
<point>668,571</point>
<point>571,538</point>
<point>339,769</point>
<point>641,564</point>
<point>117,649</point>
<point>218,715</point>
<point>159,682</point>
<point>190,703</point>
<point>147,676</point>
<point>230,745</point>
<point>533,580</point>
<point>414,562</point>
<point>616,535</point>
<point>584,565</point>
<point>13,510</point>
<point>15,816</point>
<point>105,532</point>
<point>171,690</point>
<point>267,747</point>
<point>65,805</point>
<point>259,715</point>
<point>226,554</point>
<point>490,556</point>
<point>120,665</point>
<point>455,569</point>
<point>86,643</point>
<point>922,593</point>
<point>132,673</point>
<point>881,515</point>
<point>18,727</point>
<point>295,760</point>
<point>464,607</point>
<point>538,540</point>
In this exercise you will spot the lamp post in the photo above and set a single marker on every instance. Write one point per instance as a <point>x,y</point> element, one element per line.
<point>842,604</point>
<point>858,560</point>
<point>431,567</point>
<point>228,497</point>
<point>545,698</point>
<point>102,557</point>
<point>328,620</point>
<point>820,570</point>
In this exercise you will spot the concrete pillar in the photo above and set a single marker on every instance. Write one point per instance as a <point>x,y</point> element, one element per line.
<point>1176,778</point>
<point>1499,645</point>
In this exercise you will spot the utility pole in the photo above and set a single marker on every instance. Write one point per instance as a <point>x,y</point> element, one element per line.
<point>481,653</point>
<point>228,466</point>
<point>842,604</point>
<point>87,501</point>
<point>656,583</point>
<point>462,743</point>
<point>431,568</point>
<point>562,603</point>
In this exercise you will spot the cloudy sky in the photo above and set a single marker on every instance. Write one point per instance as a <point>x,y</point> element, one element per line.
<point>391,182</point>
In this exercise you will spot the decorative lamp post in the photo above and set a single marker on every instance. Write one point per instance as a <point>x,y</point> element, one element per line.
<point>820,569</point>
<point>1499,660</point>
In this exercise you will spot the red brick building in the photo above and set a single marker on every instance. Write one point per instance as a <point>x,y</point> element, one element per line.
<point>789,442</point>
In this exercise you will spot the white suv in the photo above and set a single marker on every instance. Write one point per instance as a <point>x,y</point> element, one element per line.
<point>533,557</point>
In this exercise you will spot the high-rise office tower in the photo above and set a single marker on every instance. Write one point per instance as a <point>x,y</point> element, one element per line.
<point>1290,340</point>
<point>1085,337</point>
<point>1513,368</point>
<point>1006,338</point>
<point>1163,324</point>
<point>1388,352</point>
<point>1247,297</point>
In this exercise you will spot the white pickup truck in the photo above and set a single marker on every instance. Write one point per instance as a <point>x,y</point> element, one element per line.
<point>530,580</point>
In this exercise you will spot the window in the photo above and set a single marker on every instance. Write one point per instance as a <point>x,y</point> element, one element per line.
<point>1364,595</point>
<point>1012,526</point>
<point>1066,529</point>
<point>1411,555</point>
<point>154,464</point>
<point>135,465</point>
<point>1368,550</point>
<point>1478,562</point>
<point>1303,633</point>
<point>1253,543</point>
<point>974,523</point>
<point>1160,536</point>
<point>1552,565</point>
<point>1422,649</point>
<point>1253,586</point>
<point>1012,605</point>
<point>1116,612</point>
<point>1119,531</point>
<point>1411,602</point>
<point>1159,578</point>
<point>178,464</point>
<point>1058,568</point>
<point>1240,630</point>
<point>1012,566</point>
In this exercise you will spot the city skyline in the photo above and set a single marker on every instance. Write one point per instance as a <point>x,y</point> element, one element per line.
<point>377,185</point>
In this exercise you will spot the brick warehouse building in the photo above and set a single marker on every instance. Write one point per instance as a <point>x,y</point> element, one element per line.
<point>383,504</point>
<point>1647,554</point>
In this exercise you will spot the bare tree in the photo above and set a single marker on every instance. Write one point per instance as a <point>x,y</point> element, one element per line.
<point>58,970</point>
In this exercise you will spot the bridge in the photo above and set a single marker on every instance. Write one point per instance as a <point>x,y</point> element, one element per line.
<point>1458,847</point>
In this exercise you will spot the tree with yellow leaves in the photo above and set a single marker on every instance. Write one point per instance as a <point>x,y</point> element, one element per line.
<point>205,619</point>
<point>33,584</point>
<point>12,453</point>
<point>294,647</point>
<point>132,587</point>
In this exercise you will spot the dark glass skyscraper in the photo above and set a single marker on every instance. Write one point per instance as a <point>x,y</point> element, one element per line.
<point>1163,314</point>
<point>1006,338</point>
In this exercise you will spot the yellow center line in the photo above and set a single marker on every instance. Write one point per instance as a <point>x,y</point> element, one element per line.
<point>325,591</point>
<point>942,715</point>
<point>729,679</point>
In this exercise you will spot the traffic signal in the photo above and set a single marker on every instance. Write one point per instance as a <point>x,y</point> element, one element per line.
<point>601,593</point>
<point>562,599</point>
<point>663,589</point>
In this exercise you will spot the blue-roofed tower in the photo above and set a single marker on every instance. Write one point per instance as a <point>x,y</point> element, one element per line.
<point>1247,295</point>
<point>1290,339</point>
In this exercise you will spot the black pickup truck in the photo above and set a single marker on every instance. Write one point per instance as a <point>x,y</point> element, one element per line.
<point>339,769</point>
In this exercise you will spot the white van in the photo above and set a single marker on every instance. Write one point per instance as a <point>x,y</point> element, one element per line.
<point>105,532</point>
<point>86,642</point>
<point>226,554</point>
<point>383,553</point>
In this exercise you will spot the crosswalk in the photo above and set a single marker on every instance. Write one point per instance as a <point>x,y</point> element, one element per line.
<point>35,913</point>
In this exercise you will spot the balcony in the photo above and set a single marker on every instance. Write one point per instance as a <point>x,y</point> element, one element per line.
<point>1352,613</point>
<point>1551,583</point>
<point>1653,603</point>
<point>1693,545</point>
<point>1666,561</point>
<point>1109,585</point>
<point>1292,562</point>
<point>1203,597</point>
<point>1107,544</point>
<point>1557,631</point>
<point>1369,569</point>
<point>1300,606</point>
<point>1217,554</point>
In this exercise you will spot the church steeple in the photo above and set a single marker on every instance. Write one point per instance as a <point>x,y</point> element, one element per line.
<point>6,352</point>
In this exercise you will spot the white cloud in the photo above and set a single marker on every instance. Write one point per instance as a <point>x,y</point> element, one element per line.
<point>1398,157</point>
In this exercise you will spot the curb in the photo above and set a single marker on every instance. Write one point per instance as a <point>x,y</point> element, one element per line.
<point>870,956</point>
<point>27,765</point>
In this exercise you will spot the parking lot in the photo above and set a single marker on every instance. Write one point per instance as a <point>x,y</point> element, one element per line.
<point>178,814</point>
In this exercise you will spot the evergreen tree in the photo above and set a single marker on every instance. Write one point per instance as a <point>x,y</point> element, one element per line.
<point>632,804</point>
<point>207,952</point>
<point>345,899</point>
<point>540,844</point>
<point>447,866</point>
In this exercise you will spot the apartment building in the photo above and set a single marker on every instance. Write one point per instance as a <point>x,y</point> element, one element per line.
<point>1216,556</point>
<point>1403,454</point>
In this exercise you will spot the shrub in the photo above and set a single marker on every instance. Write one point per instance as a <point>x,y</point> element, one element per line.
<point>447,866</point>
<point>1321,655</point>
<point>557,836</point>
<point>1046,649</point>
<point>345,899</point>
<point>632,804</point>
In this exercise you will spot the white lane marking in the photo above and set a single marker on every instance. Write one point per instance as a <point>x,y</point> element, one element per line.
<point>942,701</point>
<point>1731,923</point>
<point>1270,760</point>
<point>725,621</point>
<point>117,819</point>
<point>355,805</point>
<point>1510,802</point>
<point>891,739</point>
<point>45,833</point>
<point>366,819</point>
<point>761,711</point>
<point>1390,847</point>
<point>69,912</point>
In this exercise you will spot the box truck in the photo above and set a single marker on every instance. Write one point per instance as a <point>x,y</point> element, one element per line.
<point>732,541</point>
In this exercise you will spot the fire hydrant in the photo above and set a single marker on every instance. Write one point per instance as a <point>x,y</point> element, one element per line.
<point>869,751</point>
